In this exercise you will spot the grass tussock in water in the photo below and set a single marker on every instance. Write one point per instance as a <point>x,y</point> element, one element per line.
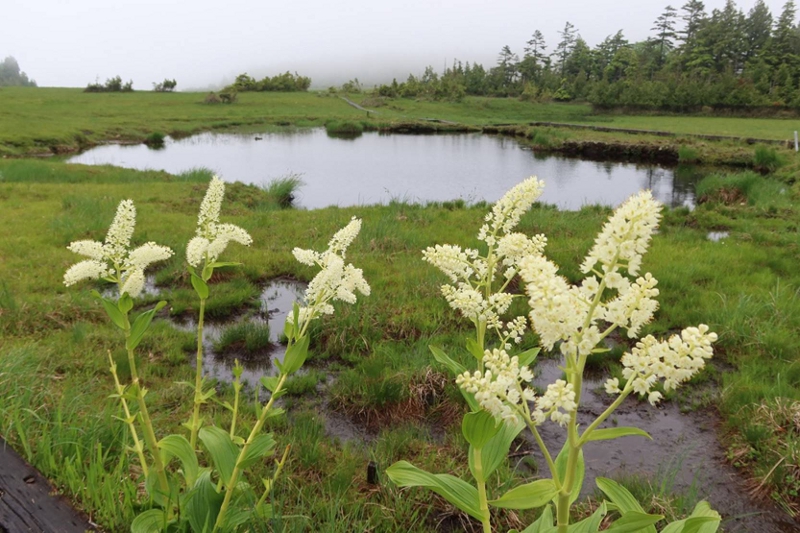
<point>283,191</point>
<point>245,338</point>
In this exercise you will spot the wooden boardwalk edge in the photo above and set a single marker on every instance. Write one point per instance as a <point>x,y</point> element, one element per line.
<point>26,502</point>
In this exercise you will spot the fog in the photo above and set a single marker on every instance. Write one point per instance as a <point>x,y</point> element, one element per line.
<point>203,43</point>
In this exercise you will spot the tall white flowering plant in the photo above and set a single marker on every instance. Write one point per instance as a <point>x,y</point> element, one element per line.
<point>210,491</point>
<point>576,319</point>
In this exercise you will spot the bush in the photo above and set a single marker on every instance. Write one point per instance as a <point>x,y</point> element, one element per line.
<point>112,85</point>
<point>166,86</point>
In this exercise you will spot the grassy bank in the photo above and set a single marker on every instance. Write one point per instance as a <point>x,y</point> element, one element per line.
<point>54,383</point>
<point>54,120</point>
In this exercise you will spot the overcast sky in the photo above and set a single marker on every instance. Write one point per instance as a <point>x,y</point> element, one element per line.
<point>206,42</point>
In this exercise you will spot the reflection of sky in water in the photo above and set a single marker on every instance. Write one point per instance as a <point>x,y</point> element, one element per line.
<point>376,168</point>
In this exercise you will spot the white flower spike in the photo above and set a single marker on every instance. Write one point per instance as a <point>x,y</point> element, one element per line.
<point>111,260</point>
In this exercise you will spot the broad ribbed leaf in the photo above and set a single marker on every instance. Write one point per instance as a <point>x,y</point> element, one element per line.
<point>580,470</point>
<point>152,521</point>
<point>202,504</point>
<point>222,450</point>
<point>141,324</point>
<point>634,521</point>
<point>454,490</point>
<point>615,433</point>
<point>454,367</point>
<point>177,446</point>
<point>113,312</point>
<point>200,286</point>
<point>591,524</point>
<point>475,349</point>
<point>295,355</point>
<point>623,499</point>
<point>527,496</point>
<point>479,427</point>
<point>702,520</point>
<point>496,450</point>
<point>528,356</point>
<point>543,524</point>
<point>261,446</point>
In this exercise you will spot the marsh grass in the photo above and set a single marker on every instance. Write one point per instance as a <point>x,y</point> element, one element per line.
<point>282,192</point>
<point>245,338</point>
<point>53,355</point>
<point>767,159</point>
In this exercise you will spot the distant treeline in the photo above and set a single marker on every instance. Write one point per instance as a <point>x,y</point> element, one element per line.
<point>286,82</point>
<point>112,85</point>
<point>727,59</point>
<point>10,74</point>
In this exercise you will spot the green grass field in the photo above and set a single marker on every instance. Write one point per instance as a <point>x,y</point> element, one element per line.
<point>48,120</point>
<point>54,382</point>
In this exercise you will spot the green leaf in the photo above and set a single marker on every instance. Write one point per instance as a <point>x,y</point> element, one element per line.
<point>527,496</point>
<point>177,446</point>
<point>702,520</point>
<point>125,303</point>
<point>543,524</point>
<point>113,312</point>
<point>288,329</point>
<point>295,355</point>
<point>261,446</point>
<point>235,517</point>
<point>200,286</point>
<point>623,499</point>
<point>528,356</point>
<point>152,521</point>
<point>223,451</point>
<point>633,521</point>
<point>270,383</point>
<point>495,451</point>
<point>454,490</point>
<point>475,349</point>
<point>615,433</point>
<point>479,427</point>
<point>222,264</point>
<point>202,504</point>
<point>580,471</point>
<point>591,524</point>
<point>454,367</point>
<point>141,324</point>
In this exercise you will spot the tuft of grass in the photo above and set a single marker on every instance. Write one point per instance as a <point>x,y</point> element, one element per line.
<point>155,140</point>
<point>767,159</point>
<point>282,192</point>
<point>688,154</point>
<point>247,338</point>
<point>344,128</point>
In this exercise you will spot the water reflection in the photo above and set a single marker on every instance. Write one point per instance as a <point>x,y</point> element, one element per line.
<point>375,168</point>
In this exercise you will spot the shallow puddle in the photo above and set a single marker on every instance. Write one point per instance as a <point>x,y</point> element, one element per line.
<point>277,300</point>
<point>684,454</point>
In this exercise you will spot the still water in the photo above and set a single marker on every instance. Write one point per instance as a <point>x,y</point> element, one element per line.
<point>377,168</point>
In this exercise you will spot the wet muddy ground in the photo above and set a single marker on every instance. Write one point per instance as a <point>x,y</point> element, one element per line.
<point>684,454</point>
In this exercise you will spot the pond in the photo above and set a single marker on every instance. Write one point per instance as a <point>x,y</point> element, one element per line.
<point>378,168</point>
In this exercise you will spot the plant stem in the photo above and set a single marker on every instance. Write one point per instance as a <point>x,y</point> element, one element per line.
<point>137,444</point>
<point>198,377</point>
<point>482,500</point>
<point>231,483</point>
<point>624,394</point>
<point>147,424</point>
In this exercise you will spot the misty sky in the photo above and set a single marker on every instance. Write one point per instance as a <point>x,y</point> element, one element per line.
<point>207,42</point>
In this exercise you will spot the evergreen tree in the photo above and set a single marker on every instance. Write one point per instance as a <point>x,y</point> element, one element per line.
<point>665,26</point>
<point>758,28</point>
<point>10,74</point>
<point>565,46</point>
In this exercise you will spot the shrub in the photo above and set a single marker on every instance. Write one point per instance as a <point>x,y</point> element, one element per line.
<point>112,85</point>
<point>166,86</point>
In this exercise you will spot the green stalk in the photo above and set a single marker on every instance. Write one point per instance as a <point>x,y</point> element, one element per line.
<point>275,476</point>
<point>147,424</point>
<point>237,387</point>
<point>198,377</point>
<point>611,408</point>
<point>231,483</point>
<point>137,444</point>
<point>482,500</point>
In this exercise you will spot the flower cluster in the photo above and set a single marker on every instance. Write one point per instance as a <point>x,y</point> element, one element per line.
<point>472,275</point>
<point>336,280</point>
<point>499,390</point>
<point>212,237</point>
<point>625,236</point>
<point>674,361</point>
<point>111,260</point>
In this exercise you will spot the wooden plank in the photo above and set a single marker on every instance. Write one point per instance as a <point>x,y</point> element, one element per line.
<point>26,504</point>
